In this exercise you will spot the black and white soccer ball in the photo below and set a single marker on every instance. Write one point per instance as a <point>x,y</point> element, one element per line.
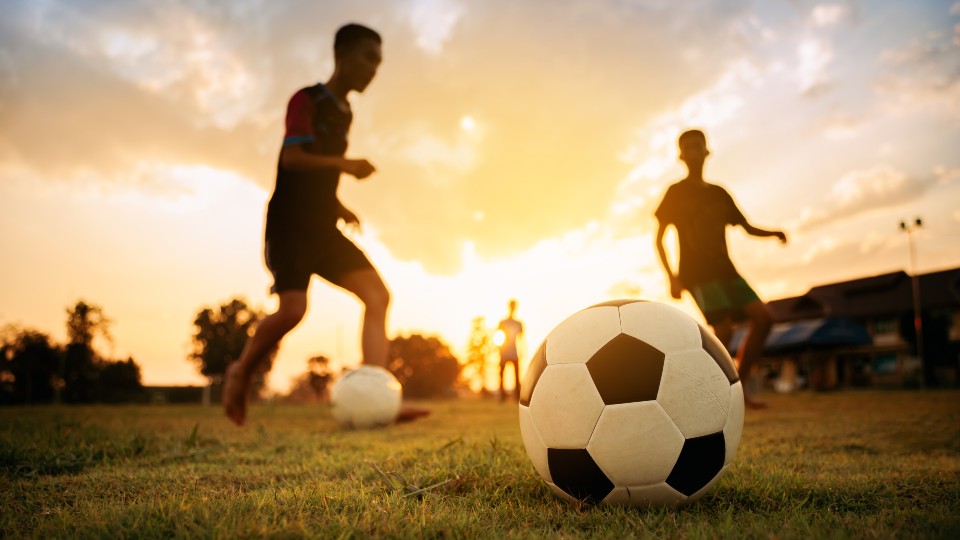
<point>631,403</point>
<point>366,397</point>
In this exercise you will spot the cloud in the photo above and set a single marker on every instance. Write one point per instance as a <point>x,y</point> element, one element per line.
<point>828,14</point>
<point>434,21</point>
<point>862,191</point>
<point>814,56</point>
<point>923,75</point>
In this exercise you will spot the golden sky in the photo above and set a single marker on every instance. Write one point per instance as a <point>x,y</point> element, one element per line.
<point>521,149</point>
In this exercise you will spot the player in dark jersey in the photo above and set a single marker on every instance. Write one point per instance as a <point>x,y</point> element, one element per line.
<point>302,237</point>
<point>510,331</point>
<point>701,211</point>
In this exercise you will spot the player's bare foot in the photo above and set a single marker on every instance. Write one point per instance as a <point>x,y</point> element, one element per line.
<point>235,394</point>
<point>409,414</point>
<point>751,403</point>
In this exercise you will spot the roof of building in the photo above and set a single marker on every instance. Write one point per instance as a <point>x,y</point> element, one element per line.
<point>875,296</point>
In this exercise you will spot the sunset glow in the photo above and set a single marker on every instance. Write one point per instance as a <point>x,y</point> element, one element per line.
<point>521,149</point>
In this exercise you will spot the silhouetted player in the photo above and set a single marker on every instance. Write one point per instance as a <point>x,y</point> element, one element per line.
<point>509,353</point>
<point>302,237</point>
<point>701,211</point>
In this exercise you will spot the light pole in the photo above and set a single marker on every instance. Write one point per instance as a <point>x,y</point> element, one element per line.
<point>909,228</point>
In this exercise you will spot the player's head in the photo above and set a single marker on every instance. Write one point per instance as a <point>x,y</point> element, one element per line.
<point>693,147</point>
<point>357,52</point>
<point>512,305</point>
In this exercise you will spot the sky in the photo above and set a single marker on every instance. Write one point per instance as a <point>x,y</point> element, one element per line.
<point>521,149</point>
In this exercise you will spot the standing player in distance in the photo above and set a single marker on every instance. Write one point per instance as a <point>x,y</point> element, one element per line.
<point>510,330</point>
<point>302,237</point>
<point>700,211</point>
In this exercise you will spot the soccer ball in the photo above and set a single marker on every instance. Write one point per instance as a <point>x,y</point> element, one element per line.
<point>366,397</point>
<point>631,403</point>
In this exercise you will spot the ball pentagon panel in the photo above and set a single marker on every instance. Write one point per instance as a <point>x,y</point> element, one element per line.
<point>635,443</point>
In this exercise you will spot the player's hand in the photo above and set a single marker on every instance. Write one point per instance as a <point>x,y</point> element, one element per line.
<point>676,287</point>
<point>350,220</point>
<point>780,236</point>
<point>358,168</point>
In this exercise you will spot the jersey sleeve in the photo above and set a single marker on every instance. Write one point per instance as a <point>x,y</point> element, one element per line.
<point>734,215</point>
<point>666,212</point>
<point>299,124</point>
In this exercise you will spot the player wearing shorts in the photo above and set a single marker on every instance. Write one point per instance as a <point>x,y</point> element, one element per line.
<point>701,211</point>
<point>510,330</point>
<point>302,237</point>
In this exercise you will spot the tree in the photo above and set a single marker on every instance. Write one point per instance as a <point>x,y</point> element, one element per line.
<point>81,364</point>
<point>423,365</point>
<point>479,348</point>
<point>85,321</point>
<point>311,386</point>
<point>29,362</point>
<point>120,381</point>
<point>219,337</point>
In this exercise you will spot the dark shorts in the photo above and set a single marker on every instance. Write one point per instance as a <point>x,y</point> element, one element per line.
<point>330,256</point>
<point>725,299</point>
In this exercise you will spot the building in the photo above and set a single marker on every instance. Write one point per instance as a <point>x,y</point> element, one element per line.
<point>861,333</point>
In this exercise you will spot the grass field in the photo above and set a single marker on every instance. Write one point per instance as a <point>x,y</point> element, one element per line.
<point>858,464</point>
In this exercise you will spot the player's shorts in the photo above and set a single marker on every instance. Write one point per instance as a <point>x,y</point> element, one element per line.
<point>724,299</point>
<point>293,261</point>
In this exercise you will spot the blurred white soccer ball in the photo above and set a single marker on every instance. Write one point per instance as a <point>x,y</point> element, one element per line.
<point>631,403</point>
<point>366,397</point>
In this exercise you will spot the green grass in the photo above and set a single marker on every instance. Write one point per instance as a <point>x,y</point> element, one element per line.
<point>842,465</point>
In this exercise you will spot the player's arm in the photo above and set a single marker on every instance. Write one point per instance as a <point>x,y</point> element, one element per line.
<point>294,157</point>
<point>349,218</point>
<point>763,233</point>
<point>676,287</point>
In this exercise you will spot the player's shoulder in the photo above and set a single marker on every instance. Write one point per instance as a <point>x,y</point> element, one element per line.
<point>718,189</point>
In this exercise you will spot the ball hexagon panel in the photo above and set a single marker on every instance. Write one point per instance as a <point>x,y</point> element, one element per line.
<point>582,334</point>
<point>733,429</point>
<point>660,325</point>
<point>626,370</point>
<point>646,496</point>
<point>537,364</point>
<point>719,353</point>
<point>635,443</point>
<point>694,392</point>
<point>700,461</point>
<point>533,443</point>
<point>565,406</point>
<point>575,472</point>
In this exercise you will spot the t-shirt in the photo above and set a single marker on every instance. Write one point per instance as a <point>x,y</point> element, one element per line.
<point>305,205</point>
<point>701,212</point>
<point>511,329</point>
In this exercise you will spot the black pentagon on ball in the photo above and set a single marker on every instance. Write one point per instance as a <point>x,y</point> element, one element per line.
<point>575,472</point>
<point>719,353</point>
<point>626,370</point>
<point>700,460</point>
<point>537,364</point>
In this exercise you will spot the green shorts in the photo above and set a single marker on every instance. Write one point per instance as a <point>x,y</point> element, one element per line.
<point>724,299</point>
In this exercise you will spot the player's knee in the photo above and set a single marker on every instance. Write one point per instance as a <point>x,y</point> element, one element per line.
<point>377,298</point>
<point>291,314</point>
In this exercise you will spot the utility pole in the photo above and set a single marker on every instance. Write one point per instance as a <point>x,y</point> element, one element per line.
<point>909,228</point>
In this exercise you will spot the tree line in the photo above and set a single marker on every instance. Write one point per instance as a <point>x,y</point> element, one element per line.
<point>35,369</point>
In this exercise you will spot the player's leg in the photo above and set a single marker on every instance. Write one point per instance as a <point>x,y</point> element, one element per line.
<point>751,349</point>
<point>269,332</point>
<point>516,379</point>
<point>502,394</point>
<point>369,288</point>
